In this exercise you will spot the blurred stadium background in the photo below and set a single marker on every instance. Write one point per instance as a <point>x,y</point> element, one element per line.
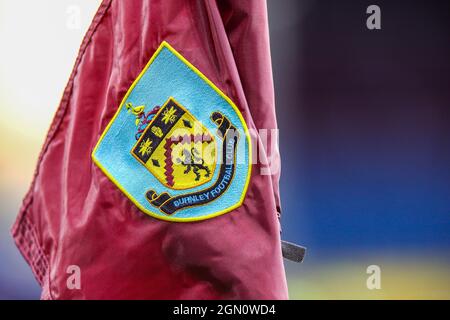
<point>364,121</point>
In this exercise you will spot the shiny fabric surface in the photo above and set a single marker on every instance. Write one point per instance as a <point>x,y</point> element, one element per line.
<point>74,215</point>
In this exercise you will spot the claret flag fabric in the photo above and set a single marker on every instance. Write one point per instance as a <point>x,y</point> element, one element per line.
<point>149,183</point>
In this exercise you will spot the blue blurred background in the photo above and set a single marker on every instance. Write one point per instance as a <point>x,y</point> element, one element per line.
<point>364,119</point>
<point>364,122</point>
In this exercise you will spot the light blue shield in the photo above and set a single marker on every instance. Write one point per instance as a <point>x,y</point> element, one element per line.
<point>167,79</point>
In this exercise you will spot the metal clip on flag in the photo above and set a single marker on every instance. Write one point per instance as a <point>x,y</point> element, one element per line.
<point>292,251</point>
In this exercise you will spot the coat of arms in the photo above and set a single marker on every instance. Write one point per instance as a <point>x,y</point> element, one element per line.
<point>177,148</point>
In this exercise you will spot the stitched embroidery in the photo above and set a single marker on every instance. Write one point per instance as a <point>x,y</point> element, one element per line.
<point>168,138</point>
<point>142,118</point>
<point>230,135</point>
<point>177,146</point>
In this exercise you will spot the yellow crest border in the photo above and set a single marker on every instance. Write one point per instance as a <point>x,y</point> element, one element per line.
<point>163,45</point>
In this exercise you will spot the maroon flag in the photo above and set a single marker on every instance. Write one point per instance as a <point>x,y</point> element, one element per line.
<point>114,200</point>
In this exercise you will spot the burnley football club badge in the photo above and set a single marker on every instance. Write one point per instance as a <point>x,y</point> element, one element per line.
<point>177,147</point>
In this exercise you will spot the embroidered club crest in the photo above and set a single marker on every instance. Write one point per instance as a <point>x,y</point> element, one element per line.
<point>177,146</point>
